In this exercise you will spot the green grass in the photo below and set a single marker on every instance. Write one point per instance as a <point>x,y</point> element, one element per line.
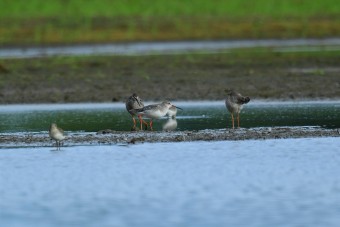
<point>164,8</point>
<point>77,21</point>
<point>256,56</point>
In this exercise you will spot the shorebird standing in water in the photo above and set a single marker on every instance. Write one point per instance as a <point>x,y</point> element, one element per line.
<point>155,111</point>
<point>234,104</point>
<point>57,134</point>
<point>133,103</point>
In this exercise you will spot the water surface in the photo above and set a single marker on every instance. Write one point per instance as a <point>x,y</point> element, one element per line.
<point>291,182</point>
<point>195,116</point>
<point>179,47</point>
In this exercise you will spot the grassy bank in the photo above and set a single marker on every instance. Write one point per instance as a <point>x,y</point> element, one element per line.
<point>76,21</point>
<point>107,8</point>
<point>258,73</point>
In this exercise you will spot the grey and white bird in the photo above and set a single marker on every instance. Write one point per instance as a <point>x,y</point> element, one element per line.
<point>56,134</point>
<point>172,112</point>
<point>234,103</point>
<point>155,111</point>
<point>133,103</point>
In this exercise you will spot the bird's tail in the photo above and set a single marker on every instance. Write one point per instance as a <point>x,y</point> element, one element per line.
<point>138,110</point>
<point>135,111</point>
<point>245,100</point>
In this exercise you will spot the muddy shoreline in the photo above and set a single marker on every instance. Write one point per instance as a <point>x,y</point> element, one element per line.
<point>311,76</point>
<point>110,137</point>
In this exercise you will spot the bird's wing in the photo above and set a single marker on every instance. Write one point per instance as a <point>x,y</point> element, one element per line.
<point>135,111</point>
<point>149,107</point>
<point>61,130</point>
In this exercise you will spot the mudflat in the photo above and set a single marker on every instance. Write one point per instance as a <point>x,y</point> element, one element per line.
<point>258,74</point>
<point>109,137</point>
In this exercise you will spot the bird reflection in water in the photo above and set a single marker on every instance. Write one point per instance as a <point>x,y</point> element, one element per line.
<point>170,124</point>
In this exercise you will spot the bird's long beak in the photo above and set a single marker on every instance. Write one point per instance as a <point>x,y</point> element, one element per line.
<point>177,107</point>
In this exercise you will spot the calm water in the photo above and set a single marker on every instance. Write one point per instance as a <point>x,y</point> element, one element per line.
<point>195,116</point>
<point>291,182</point>
<point>178,47</point>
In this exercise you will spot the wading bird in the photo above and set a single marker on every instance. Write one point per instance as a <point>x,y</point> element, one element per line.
<point>234,104</point>
<point>155,111</point>
<point>133,103</point>
<point>172,112</point>
<point>56,134</point>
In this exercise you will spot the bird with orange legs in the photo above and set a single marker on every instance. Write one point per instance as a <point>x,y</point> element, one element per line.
<point>133,103</point>
<point>234,103</point>
<point>155,111</point>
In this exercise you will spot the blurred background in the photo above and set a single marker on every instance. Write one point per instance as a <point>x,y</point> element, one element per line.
<point>38,22</point>
<point>57,51</point>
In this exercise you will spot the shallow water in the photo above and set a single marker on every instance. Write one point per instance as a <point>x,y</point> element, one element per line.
<point>179,47</point>
<point>195,116</point>
<point>291,182</point>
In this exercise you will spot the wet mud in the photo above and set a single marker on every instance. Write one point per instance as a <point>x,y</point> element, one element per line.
<point>110,137</point>
<point>172,77</point>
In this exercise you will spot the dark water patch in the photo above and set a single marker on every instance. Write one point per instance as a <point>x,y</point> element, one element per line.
<point>195,116</point>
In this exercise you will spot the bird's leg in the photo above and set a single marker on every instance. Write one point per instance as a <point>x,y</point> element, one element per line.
<point>134,122</point>
<point>141,122</point>
<point>227,122</point>
<point>151,125</point>
<point>238,120</point>
<point>232,119</point>
<point>146,124</point>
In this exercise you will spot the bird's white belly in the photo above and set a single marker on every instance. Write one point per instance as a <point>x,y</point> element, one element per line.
<point>155,114</point>
<point>58,136</point>
<point>172,113</point>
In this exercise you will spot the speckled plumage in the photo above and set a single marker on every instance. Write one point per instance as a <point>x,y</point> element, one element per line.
<point>132,104</point>
<point>154,111</point>
<point>234,103</point>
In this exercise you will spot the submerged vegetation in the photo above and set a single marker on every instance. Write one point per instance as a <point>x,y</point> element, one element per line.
<point>76,21</point>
